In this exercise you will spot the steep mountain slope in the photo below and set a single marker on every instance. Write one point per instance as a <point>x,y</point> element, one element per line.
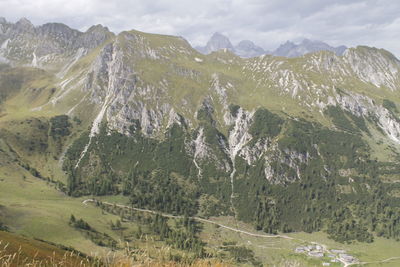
<point>286,144</point>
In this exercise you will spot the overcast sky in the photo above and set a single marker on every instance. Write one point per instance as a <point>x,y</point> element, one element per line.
<point>266,22</point>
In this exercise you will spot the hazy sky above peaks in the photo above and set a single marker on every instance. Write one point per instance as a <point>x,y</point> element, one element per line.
<point>266,22</point>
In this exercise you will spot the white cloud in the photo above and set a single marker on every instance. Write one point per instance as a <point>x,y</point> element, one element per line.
<point>267,22</point>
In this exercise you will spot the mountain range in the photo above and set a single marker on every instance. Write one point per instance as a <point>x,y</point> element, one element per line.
<point>248,49</point>
<point>282,145</point>
<point>244,48</point>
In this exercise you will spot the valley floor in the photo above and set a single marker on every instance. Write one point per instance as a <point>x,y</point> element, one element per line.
<point>33,208</point>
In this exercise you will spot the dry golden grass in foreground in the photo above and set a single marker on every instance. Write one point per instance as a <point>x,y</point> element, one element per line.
<point>19,251</point>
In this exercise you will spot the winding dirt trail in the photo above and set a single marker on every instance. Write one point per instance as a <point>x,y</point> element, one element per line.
<point>197,219</point>
<point>237,230</point>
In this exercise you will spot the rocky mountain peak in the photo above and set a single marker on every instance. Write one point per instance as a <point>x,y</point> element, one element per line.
<point>288,44</point>
<point>290,49</point>
<point>94,36</point>
<point>284,49</point>
<point>3,20</point>
<point>98,28</point>
<point>56,29</point>
<point>218,41</point>
<point>24,24</point>
<point>310,42</point>
<point>246,44</point>
<point>247,48</point>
